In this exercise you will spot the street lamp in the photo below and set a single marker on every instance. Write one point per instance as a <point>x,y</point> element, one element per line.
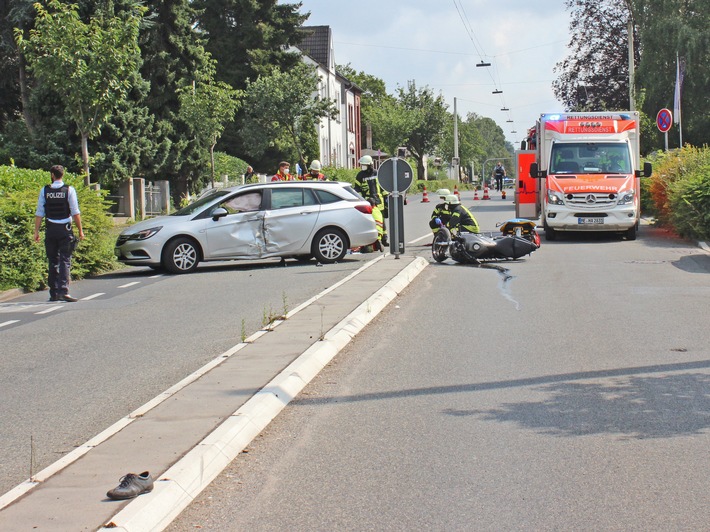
<point>482,64</point>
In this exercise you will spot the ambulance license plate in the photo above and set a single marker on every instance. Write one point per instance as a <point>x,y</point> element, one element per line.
<point>585,221</point>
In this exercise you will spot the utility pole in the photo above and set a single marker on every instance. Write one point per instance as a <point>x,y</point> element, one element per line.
<point>456,141</point>
<point>632,69</point>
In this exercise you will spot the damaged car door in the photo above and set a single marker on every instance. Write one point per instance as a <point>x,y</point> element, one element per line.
<point>238,233</point>
<point>290,220</point>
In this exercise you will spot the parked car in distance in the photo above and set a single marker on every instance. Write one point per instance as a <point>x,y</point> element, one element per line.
<point>299,219</point>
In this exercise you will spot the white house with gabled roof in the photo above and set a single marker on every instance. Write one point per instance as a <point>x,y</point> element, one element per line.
<point>338,138</point>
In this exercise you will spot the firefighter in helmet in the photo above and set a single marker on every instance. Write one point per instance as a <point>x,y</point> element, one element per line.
<point>441,210</point>
<point>461,219</point>
<point>314,172</point>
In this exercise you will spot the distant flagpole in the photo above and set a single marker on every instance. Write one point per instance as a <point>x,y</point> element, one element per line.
<point>679,74</point>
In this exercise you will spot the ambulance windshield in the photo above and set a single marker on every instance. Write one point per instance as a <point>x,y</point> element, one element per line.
<point>590,158</point>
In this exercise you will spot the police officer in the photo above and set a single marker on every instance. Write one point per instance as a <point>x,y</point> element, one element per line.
<point>461,219</point>
<point>59,205</point>
<point>499,174</point>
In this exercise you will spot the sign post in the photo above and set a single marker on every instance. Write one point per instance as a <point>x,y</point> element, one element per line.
<point>664,119</point>
<point>395,176</point>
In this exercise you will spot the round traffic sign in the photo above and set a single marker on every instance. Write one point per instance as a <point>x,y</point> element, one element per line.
<point>664,120</point>
<point>386,174</point>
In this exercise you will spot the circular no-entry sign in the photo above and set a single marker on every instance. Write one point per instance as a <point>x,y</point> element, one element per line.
<point>664,120</point>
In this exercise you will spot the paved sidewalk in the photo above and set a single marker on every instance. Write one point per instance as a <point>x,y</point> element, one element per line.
<point>187,435</point>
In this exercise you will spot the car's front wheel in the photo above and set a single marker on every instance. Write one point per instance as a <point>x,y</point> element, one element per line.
<point>329,245</point>
<point>181,256</point>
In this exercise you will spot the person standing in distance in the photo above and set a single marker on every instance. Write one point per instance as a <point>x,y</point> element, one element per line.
<point>59,205</point>
<point>499,174</point>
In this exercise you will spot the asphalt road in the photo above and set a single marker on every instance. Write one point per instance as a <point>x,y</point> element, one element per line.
<point>68,371</point>
<point>568,391</point>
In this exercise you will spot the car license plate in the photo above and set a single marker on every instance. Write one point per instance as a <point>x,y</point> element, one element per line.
<point>590,220</point>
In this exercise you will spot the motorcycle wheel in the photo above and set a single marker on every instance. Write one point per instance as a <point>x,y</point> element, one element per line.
<point>439,246</point>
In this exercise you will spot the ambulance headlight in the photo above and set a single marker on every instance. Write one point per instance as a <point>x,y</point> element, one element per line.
<point>555,198</point>
<point>626,197</point>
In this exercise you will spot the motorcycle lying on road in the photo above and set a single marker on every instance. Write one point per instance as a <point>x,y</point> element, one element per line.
<point>518,238</point>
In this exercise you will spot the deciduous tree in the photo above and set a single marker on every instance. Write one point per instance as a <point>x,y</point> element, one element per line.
<point>89,65</point>
<point>208,105</point>
<point>282,111</point>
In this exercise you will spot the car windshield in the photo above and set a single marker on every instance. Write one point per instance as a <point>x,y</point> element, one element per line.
<point>590,158</point>
<point>208,198</point>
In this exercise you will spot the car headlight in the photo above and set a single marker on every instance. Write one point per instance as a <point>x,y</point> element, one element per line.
<point>626,197</point>
<point>145,233</point>
<point>555,198</point>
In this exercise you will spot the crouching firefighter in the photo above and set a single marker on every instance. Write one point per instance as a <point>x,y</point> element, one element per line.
<point>441,211</point>
<point>461,220</point>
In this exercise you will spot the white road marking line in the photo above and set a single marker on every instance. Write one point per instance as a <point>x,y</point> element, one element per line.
<point>50,309</point>
<point>92,296</point>
<point>8,323</point>
<point>155,276</point>
<point>428,235</point>
<point>129,284</point>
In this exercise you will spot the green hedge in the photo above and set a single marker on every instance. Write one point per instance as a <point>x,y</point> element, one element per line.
<point>680,189</point>
<point>23,263</point>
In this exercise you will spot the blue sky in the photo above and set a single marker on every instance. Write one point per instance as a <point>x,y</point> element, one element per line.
<point>439,43</point>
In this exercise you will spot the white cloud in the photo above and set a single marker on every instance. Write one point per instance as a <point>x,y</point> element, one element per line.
<point>428,42</point>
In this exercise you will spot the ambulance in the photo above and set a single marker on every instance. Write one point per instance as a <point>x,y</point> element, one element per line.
<point>581,172</point>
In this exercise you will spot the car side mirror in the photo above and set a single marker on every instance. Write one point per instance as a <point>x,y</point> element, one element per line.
<point>218,213</point>
<point>647,169</point>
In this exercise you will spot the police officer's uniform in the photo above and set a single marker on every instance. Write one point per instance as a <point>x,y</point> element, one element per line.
<point>499,174</point>
<point>58,203</point>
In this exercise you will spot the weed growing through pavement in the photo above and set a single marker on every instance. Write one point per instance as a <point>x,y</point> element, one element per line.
<point>284,299</point>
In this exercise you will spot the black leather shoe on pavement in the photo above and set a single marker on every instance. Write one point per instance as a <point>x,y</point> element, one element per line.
<point>67,298</point>
<point>131,485</point>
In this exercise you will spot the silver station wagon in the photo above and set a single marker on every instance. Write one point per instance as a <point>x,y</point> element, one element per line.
<point>299,219</point>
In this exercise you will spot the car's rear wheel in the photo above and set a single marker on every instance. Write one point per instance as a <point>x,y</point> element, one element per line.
<point>329,245</point>
<point>181,256</point>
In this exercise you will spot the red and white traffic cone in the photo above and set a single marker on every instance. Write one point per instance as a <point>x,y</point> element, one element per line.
<point>475,194</point>
<point>456,192</point>
<point>485,192</point>
<point>425,197</point>
<point>502,192</point>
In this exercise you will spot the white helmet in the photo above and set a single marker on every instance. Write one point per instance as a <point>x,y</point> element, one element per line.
<point>315,165</point>
<point>453,199</point>
<point>365,159</point>
<point>443,192</point>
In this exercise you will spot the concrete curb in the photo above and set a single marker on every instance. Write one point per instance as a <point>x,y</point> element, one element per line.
<point>180,484</point>
<point>68,459</point>
<point>11,294</point>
